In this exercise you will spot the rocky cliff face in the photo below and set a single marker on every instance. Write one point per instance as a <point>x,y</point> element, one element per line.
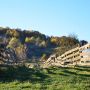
<point>6,56</point>
<point>9,56</point>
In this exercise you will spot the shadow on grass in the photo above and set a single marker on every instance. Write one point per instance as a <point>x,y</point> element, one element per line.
<point>52,72</point>
<point>21,73</point>
<point>82,68</point>
<point>67,72</point>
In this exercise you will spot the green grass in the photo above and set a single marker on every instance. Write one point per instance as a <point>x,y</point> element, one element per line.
<point>22,78</point>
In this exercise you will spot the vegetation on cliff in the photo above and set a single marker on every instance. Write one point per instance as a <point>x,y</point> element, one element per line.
<point>33,45</point>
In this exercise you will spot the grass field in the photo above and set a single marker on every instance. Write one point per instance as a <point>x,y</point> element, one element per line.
<point>22,78</point>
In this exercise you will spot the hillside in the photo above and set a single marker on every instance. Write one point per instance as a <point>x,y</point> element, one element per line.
<point>32,46</point>
<point>21,49</point>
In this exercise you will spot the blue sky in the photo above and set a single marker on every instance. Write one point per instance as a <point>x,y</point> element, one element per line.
<point>51,17</point>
